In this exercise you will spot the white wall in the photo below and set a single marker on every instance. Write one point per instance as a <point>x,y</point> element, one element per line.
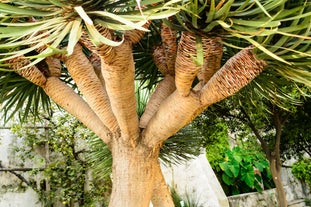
<point>11,195</point>
<point>19,199</point>
<point>197,179</point>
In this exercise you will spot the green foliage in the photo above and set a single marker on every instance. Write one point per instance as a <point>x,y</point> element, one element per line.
<point>58,145</point>
<point>145,69</point>
<point>215,152</point>
<point>215,138</point>
<point>308,201</point>
<point>301,170</point>
<point>244,171</point>
<point>296,136</point>
<point>252,111</point>
<point>23,102</point>
<point>66,21</point>
<point>184,201</point>
<point>182,146</point>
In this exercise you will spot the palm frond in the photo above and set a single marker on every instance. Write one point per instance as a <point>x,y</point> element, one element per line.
<point>19,96</point>
<point>280,30</point>
<point>24,21</point>
<point>146,70</point>
<point>100,158</point>
<point>142,97</point>
<point>181,147</point>
<point>272,87</point>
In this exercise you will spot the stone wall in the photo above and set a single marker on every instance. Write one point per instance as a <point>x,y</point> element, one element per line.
<point>296,192</point>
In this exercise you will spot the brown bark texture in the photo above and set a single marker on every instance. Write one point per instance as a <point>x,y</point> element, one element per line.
<point>275,170</point>
<point>133,175</point>
<point>108,106</point>
<point>275,159</point>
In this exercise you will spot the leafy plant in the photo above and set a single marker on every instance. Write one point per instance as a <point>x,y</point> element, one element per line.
<point>183,201</point>
<point>245,171</point>
<point>58,142</point>
<point>215,138</point>
<point>308,201</point>
<point>301,170</point>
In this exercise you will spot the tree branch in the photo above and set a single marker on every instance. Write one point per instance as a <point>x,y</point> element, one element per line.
<point>164,89</point>
<point>174,113</point>
<point>64,96</point>
<point>32,73</point>
<point>213,52</point>
<point>19,176</point>
<point>278,128</point>
<point>257,134</point>
<point>82,72</point>
<point>118,71</point>
<point>185,67</point>
<point>237,72</point>
<point>135,35</point>
<point>169,45</point>
<point>26,169</point>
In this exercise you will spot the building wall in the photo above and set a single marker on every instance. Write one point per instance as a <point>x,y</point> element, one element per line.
<point>196,179</point>
<point>13,193</point>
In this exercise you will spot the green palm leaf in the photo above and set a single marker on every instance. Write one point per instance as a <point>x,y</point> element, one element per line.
<point>146,70</point>
<point>37,29</point>
<point>24,102</point>
<point>25,21</point>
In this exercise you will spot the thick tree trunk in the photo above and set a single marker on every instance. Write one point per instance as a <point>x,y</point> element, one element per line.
<point>161,195</point>
<point>133,173</point>
<point>276,175</point>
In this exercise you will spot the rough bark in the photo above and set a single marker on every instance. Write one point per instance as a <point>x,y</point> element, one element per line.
<point>83,73</point>
<point>133,171</point>
<point>118,72</point>
<point>161,196</point>
<point>185,67</point>
<point>237,72</point>
<point>134,36</point>
<point>169,45</point>
<point>64,96</point>
<point>33,74</point>
<point>165,88</point>
<point>160,60</point>
<point>213,52</point>
<point>54,66</point>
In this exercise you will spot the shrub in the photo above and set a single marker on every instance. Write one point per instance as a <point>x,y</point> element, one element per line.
<point>245,171</point>
<point>301,170</point>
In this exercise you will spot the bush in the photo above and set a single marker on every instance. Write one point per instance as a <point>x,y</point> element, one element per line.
<point>301,170</point>
<point>244,171</point>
